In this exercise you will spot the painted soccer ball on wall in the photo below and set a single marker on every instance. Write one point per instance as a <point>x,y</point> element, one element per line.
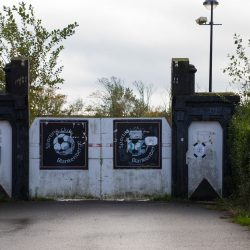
<point>138,144</point>
<point>64,144</point>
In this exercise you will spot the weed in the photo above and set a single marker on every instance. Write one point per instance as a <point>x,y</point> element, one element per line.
<point>181,200</point>
<point>221,204</point>
<point>166,197</point>
<point>212,207</point>
<point>238,213</point>
<point>242,219</point>
<point>3,198</point>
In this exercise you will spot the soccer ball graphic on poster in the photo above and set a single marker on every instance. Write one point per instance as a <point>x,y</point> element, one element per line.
<point>138,144</point>
<point>64,143</point>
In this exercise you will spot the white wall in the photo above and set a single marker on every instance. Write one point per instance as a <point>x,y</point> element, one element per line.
<point>100,180</point>
<point>6,157</point>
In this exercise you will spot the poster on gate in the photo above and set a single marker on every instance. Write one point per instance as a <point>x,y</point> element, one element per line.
<point>64,144</point>
<point>137,144</point>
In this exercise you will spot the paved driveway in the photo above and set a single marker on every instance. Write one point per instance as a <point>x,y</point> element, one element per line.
<point>116,225</point>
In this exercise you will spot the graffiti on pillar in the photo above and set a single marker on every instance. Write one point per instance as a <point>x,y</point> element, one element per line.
<point>64,144</point>
<point>137,144</point>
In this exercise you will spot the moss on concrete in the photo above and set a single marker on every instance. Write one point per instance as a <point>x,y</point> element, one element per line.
<point>180,59</point>
<point>215,94</point>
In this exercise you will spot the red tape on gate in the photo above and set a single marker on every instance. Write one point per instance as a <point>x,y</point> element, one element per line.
<point>100,145</point>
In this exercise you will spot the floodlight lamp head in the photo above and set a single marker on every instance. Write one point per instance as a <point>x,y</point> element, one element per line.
<point>201,20</point>
<point>208,4</point>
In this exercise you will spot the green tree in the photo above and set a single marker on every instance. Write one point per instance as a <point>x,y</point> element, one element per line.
<point>53,104</point>
<point>48,103</point>
<point>239,68</point>
<point>117,100</point>
<point>142,105</point>
<point>28,38</point>
<point>239,129</point>
<point>159,111</point>
<point>76,107</point>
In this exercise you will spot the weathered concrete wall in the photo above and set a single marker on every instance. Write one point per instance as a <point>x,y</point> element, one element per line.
<point>100,180</point>
<point>5,158</point>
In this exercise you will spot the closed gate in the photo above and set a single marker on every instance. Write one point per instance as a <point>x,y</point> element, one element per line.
<point>204,159</point>
<point>5,158</point>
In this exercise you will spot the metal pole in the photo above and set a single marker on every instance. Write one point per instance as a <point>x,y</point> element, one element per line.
<point>211,49</point>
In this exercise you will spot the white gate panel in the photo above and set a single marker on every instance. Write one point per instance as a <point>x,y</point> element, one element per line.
<point>101,179</point>
<point>204,155</point>
<point>6,157</point>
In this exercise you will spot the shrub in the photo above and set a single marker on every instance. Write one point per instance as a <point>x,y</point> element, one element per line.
<point>239,149</point>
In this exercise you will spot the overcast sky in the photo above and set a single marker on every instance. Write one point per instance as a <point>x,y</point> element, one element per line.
<point>136,40</point>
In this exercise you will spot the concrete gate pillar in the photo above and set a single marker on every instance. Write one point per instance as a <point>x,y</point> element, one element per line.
<point>188,107</point>
<point>14,108</point>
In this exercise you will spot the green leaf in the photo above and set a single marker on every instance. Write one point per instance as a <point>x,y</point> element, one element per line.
<point>30,39</point>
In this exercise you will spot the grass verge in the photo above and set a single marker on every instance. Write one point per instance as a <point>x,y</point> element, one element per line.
<point>234,210</point>
<point>242,219</point>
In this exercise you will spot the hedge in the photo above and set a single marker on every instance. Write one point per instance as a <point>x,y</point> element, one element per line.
<point>239,148</point>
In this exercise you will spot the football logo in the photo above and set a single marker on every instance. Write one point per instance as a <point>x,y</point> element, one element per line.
<point>64,143</point>
<point>138,144</point>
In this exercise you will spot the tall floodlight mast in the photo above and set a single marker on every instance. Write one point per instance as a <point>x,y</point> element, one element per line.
<point>210,5</point>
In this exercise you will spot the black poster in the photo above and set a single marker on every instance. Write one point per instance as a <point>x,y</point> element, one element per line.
<point>64,144</point>
<point>137,144</point>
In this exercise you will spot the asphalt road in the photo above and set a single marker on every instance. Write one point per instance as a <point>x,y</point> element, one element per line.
<point>116,225</point>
